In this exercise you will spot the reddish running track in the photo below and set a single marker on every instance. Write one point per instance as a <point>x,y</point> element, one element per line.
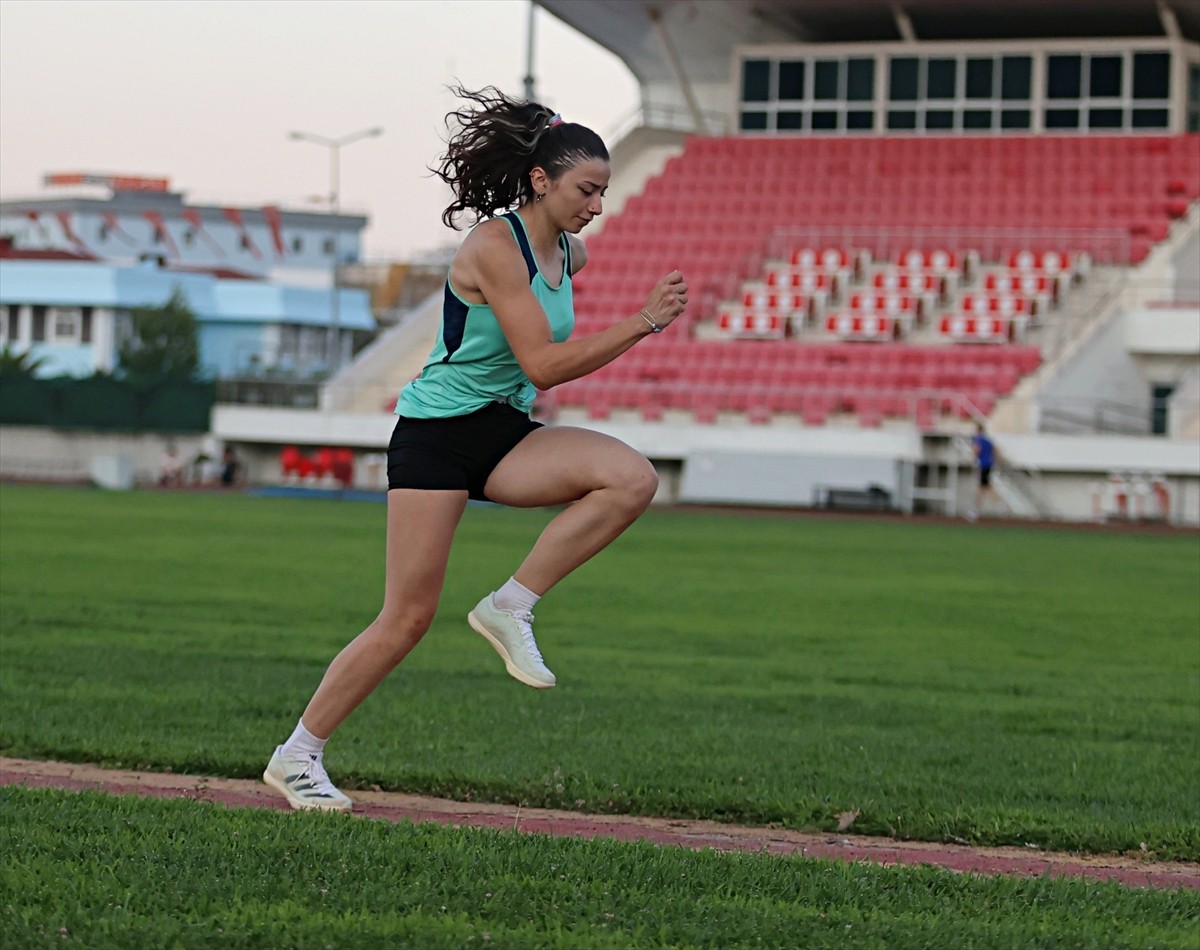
<point>391,806</point>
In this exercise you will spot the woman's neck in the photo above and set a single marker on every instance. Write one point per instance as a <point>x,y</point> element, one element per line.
<point>543,235</point>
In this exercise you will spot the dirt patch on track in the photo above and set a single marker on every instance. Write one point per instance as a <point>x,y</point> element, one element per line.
<point>392,806</point>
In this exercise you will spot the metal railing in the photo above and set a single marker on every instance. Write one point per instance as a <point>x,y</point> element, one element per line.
<point>257,391</point>
<point>1093,416</point>
<point>671,118</point>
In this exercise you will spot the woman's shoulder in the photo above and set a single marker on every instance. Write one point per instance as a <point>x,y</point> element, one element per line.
<point>485,238</point>
<point>487,234</point>
<point>489,245</point>
<point>579,254</point>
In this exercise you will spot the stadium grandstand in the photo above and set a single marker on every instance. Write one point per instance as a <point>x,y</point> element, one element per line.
<point>900,219</point>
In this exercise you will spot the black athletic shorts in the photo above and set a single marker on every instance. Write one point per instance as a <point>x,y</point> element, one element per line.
<point>985,477</point>
<point>456,452</point>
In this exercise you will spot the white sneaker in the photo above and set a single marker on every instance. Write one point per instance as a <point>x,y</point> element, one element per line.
<point>511,633</point>
<point>302,778</point>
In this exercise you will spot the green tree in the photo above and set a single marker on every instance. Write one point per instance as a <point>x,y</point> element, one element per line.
<point>163,341</point>
<point>19,364</point>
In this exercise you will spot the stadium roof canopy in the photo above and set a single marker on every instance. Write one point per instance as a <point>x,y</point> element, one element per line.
<point>705,32</point>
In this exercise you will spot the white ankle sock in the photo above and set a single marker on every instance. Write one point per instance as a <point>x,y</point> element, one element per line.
<point>515,596</point>
<point>304,741</point>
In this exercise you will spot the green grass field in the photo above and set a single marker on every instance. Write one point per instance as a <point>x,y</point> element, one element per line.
<point>100,872</point>
<point>950,682</point>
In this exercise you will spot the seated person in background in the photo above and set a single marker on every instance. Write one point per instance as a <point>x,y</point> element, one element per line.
<point>170,469</point>
<point>230,467</point>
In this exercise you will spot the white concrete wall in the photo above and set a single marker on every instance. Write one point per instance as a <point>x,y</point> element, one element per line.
<point>1102,370</point>
<point>1065,470</point>
<point>33,453</point>
<point>1163,331</point>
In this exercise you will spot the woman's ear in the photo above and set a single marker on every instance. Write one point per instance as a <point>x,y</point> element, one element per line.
<point>539,180</point>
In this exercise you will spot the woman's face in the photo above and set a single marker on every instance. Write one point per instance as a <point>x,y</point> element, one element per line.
<point>576,196</point>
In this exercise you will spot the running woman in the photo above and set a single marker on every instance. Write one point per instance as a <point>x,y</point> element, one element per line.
<point>532,182</point>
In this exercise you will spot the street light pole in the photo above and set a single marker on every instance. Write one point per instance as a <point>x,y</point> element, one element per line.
<point>530,91</point>
<point>333,349</point>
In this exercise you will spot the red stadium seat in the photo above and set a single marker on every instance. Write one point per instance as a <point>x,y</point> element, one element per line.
<point>759,190</point>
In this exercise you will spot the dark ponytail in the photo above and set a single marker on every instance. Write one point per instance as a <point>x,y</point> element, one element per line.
<point>497,142</point>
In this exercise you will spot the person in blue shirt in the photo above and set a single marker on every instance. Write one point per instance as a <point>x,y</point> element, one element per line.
<point>532,182</point>
<point>985,459</point>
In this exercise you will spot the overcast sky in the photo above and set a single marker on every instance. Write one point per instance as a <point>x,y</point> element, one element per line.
<point>204,92</point>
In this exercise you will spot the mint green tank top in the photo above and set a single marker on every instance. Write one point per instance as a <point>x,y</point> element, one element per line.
<point>472,364</point>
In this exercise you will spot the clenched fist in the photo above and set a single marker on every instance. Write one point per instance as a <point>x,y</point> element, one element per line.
<point>668,299</point>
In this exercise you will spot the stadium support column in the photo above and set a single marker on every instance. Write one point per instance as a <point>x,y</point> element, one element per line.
<point>685,87</point>
<point>903,24</point>
<point>1170,23</point>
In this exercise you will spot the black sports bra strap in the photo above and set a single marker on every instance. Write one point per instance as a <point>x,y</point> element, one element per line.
<point>566,243</point>
<point>523,242</point>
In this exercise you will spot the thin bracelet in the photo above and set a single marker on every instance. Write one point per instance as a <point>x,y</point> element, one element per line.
<point>654,327</point>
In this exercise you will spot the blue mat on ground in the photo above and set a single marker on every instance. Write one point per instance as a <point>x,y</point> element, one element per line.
<point>336,494</point>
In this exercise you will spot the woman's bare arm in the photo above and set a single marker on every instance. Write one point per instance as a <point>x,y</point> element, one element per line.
<point>498,268</point>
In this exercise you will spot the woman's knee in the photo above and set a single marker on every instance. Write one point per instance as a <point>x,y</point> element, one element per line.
<point>638,483</point>
<point>405,624</point>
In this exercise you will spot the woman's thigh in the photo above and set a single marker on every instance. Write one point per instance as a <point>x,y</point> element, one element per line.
<point>420,529</point>
<point>560,464</point>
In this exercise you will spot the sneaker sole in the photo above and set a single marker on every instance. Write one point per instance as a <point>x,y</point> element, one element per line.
<point>299,804</point>
<point>513,671</point>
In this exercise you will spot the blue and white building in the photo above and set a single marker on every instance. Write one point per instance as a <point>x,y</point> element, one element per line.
<point>260,280</point>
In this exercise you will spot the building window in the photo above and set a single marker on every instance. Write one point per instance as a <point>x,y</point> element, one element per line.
<point>980,75</point>
<point>311,344</point>
<point>791,80</point>
<point>85,324</point>
<point>941,78</point>
<point>188,237</point>
<point>1015,118</point>
<point>1016,77</point>
<point>329,246</point>
<point>8,323</point>
<point>1063,77</point>
<point>859,120</point>
<point>1106,118</point>
<point>1092,92</point>
<point>64,324</point>
<point>860,80</point>
<point>826,80</point>
<point>1095,88</point>
<point>1151,75</point>
<point>975,120</point>
<point>824,121</point>
<point>38,325</point>
<point>939,120</point>
<point>1160,407</point>
<point>756,80</point>
<point>297,245</point>
<point>1105,78</point>
<point>1062,118</point>
<point>1160,119</point>
<point>1193,103</point>
<point>902,79</point>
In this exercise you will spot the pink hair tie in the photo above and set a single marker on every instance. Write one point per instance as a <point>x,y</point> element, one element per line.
<point>555,119</point>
